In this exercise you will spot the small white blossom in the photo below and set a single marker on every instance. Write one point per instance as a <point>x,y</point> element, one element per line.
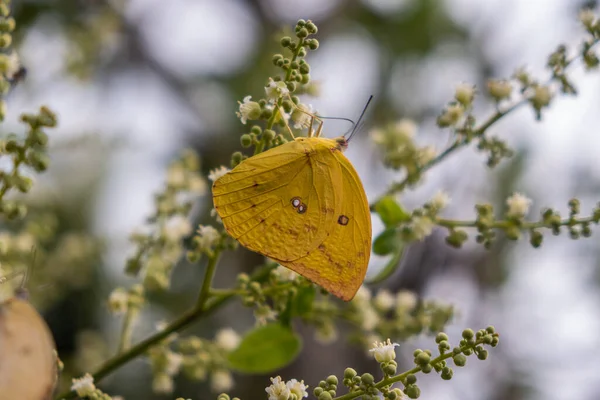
<point>177,228</point>
<point>518,205</point>
<point>285,274</point>
<point>24,242</point>
<point>174,361</point>
<point>197,184</point>
<point>377,136</point>
<point>162,383</point>
<point>10,64</point>
<point>176,176</point>
<point>587,17</point>
<point>275,90</point>
<point>221,381</point>
<point>207,237</point>
<point>440,200</point>
<point>301,116</point>
<point>384,300</point>
<point>278,390</point>
<point>422,227</point>
<point>264,314</point>
<point>227,339</point>
<point>499,88</point>
<point>362,295</point>
<point>215,215</point>
<point>369,318</point>
<point>118,301</point>
<point>451,115</point>
<point>217,173</point>
<point>248,110</point>
<point>426,154</point>
<point>541,96</point>
<point>406,127</point>
<point>464,94</point>
<point>297,388</point>
<point>406,300</point>
<point>384,351</point>
<point>84,386</point>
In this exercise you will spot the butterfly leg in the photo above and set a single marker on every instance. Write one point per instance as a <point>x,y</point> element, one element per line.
<point>285,123</point>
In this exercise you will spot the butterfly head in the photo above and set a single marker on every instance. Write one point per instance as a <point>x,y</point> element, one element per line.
<point>342,143</point>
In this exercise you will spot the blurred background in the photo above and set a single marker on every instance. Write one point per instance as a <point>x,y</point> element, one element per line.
<point>134,82</point>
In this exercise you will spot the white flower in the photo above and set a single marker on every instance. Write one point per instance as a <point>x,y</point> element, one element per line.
<point>440,200</point>
<point>451,115</point>
<point>227,339</point>
<point>221,381</point>
<point>207,237</point>
<point>217,173</point>
<point>174,361</point>
<point>297,388</point>
<point>215,215</point>
<point>10,64</point>
<point>176,228</point>
<point>587,17</point>
<point>464,93</point>
<point>301,116</point>
<point>275,90</point>
<point>377,136</point>
<point>162,383</point>
<point>176,176</point>
<point>406,128</point>
<point>422,227</point>
<point>264,314</point>
<point>118,301</point>
<point>248,110</point>
<point>426,154</point>
<point>369,318</point>
<point>84,386</point>
<point>197,184</point>
<point>384,351</point>
<point>24,242</point>
<point>406,300</point>
<point>384,300</point>
<point>518,205</point>
<point>362,295</point>
<point>499,88</point>
<point>285,274</point>
<point>278,390</point>
<point>541,96</point>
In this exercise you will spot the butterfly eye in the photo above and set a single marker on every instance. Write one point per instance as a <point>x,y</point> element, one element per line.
<point>343,220</point>
<point>302,208</point>
<point>296,201</point>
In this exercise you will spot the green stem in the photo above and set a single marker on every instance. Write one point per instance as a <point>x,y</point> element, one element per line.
<point>127,329</point>
<point>200,309</point>
<point>449,223</point>
<point>402,377</point>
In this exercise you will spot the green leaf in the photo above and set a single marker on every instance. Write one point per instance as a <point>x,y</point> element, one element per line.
<point>265,349</point>
<point>387,242</point>
<point>389,268</point>
<point>390,212</point>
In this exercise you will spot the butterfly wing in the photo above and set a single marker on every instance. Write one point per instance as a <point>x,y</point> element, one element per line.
<point>339,263</point>
<point>259,200</point>
<point>27,361</point>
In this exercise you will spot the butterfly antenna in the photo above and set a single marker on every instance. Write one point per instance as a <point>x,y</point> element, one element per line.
<point>359,124</point>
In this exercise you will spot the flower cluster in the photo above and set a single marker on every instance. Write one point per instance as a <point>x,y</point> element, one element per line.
<point>281,103</point>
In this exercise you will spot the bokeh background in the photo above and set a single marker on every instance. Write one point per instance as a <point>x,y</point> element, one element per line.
<point>136,81</point>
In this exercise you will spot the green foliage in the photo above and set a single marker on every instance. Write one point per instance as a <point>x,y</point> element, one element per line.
<point>266,349</point>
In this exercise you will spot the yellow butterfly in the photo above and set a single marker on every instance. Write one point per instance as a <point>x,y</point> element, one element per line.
<point>303,205</point>
<point>28,366</point>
